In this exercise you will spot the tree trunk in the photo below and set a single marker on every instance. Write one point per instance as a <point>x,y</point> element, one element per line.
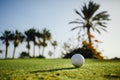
<point>6,52</point>
<point>89,38</point>
<point>43,51</point>
<point>54,51</point>
<point>39,50</point>
<point>28,46</point>
<point>14,52</point>
<point>34,50</point>
<point>29,51</point>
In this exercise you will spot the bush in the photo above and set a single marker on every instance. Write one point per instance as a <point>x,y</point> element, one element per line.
<point>24,55</point>
<point>88,51</point>
<point>40,56</point>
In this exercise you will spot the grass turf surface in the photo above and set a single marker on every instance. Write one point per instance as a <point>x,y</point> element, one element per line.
<point>58,69</point>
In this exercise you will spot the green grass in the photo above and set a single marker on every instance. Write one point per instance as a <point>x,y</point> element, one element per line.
<point>58,69</point>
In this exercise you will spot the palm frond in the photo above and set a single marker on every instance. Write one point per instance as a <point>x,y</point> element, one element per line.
<point>93,28</point>
<point>89,10</point>
<point>76,22</point>
<point>79,13</point>
<point>103,29</point>
<point>101,24</point>
<point>84,11</point>
<point>79,20</point>
<point>75,28</point>
<point>92,8</point>
<point>2,37</point>
<point>101,16</point>
<point>98,31</point>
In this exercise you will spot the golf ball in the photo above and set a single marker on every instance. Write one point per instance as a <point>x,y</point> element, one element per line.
<point>77,60</point>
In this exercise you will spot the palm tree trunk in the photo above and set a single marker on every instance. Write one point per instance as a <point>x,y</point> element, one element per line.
<point>54,51</point>
<point>34,50</point>
<point>14,52</point>
<point>28,47</point>
<point>89,38</point>
<point>29,51</point>
<point>6,52</point>
<point>43,51</point>
<point>39,50</point>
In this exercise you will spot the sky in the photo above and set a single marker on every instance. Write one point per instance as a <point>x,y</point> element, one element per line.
<point>55,16</point>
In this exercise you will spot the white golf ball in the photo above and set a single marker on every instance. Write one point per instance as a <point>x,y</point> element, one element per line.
<point>77,60</point>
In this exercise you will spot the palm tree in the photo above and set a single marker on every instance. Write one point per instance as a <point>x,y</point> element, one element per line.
<point>31,36</point>
<point>44,44</point>
<point>46,36</point>
<point>27,33</point>
<point>89,19</point>
<point>6,37</point>
<point>33,39</point>
<point>18,37</point>
<point>39,43</point>
<point>54,44</point>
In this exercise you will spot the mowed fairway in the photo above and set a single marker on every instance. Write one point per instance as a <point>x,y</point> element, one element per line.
<point>59,69</point>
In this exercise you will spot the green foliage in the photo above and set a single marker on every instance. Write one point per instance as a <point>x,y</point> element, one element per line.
<point>41,56</point>
<point>24,55</point>
<point>18,37</point>
<point>58,69</point>
<point>87,50</point>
